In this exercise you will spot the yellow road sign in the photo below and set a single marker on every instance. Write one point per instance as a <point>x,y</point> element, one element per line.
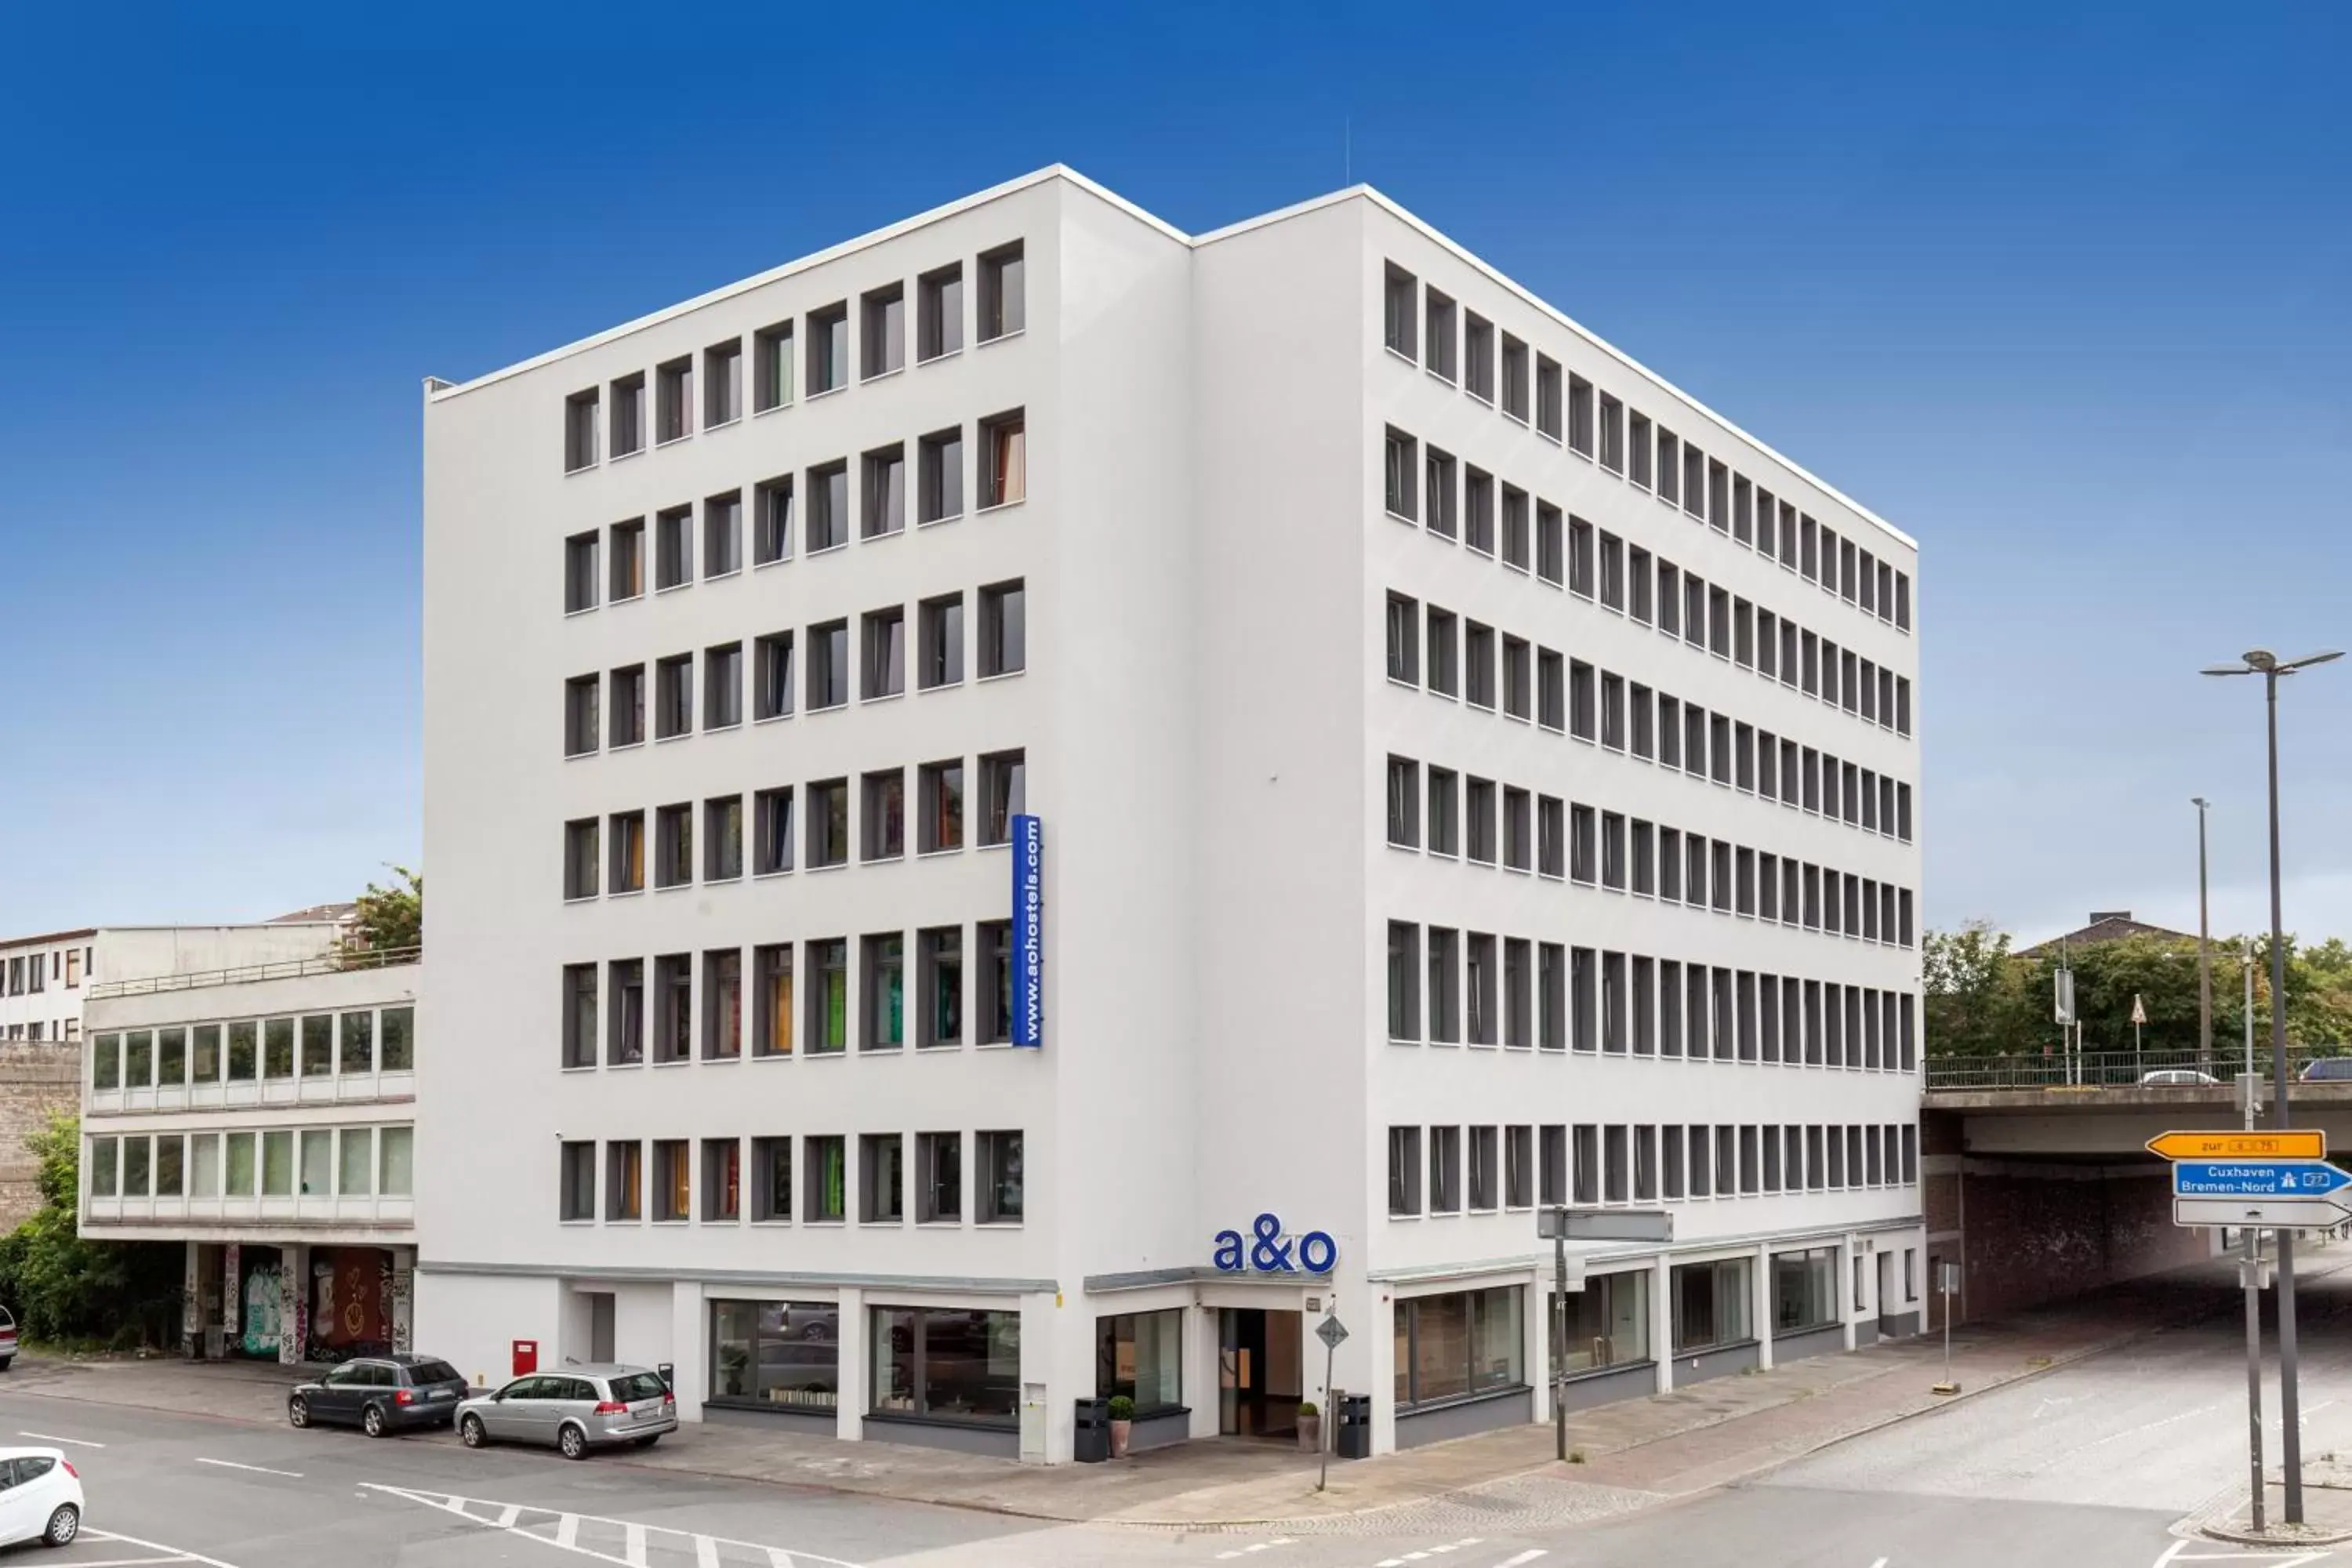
<point>2283,1143</point>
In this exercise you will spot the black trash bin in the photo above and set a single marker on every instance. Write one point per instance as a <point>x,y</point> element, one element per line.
<point>1090,1444</point>
<point>1354,1439</point>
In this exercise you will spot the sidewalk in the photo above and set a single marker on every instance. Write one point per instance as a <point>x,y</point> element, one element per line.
<point>1633,1454</point>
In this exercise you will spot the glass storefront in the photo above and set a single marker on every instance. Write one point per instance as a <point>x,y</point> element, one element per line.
<point>1457,1346</point>
<point>1804,1290</point>
<point>1711,1305</point>
<point>1141,1355</point>
<point>775,1354</point>
<point>946,1364</point>
<point>1608,1322</point>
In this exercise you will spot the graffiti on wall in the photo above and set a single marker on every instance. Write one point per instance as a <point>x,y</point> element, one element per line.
<point>262,1306</point>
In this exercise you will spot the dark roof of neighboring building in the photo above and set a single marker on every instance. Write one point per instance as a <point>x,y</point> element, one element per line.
<point>48,936</point>
<point>2106,925</point>
<point>314,914</point>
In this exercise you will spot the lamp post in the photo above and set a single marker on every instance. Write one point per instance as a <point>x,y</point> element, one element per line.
<point>2204,954</point>
<point>2270,666</point>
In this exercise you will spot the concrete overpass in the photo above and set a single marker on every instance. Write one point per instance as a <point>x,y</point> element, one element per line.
<point>2040,1189</point>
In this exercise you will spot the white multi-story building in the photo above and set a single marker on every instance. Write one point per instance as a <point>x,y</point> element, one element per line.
<point>252,1098</point>
<point>1471,776</point>
<point>41,984</point>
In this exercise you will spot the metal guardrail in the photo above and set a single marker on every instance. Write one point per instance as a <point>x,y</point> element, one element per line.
<point>341,963</point>
<point>2107,1069</point>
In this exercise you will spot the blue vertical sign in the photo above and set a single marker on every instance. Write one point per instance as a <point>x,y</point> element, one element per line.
<point>1028,932</point>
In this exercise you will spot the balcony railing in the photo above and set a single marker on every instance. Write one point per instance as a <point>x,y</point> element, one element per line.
<point>2110,1069</point>
<point>283,969</point>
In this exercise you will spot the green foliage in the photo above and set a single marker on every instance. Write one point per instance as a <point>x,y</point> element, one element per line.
<point>1308,1407</point>
<point>1122,1408</point>
<point>63,1287</point>
<point>1982,999</point>
<point>384,920</point>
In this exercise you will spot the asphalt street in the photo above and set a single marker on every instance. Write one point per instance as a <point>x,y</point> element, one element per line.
<point>2094,1466</point>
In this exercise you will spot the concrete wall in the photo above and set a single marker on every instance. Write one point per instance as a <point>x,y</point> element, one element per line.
<point>36,1082</point>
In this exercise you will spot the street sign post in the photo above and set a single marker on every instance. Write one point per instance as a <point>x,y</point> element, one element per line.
<point>1560,1226</point>
<point>2277,1143</point>
<point>1947,1285</point>
<point>1331,1331</point>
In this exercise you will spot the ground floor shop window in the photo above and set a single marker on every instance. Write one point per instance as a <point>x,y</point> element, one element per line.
<point>1141,1355</point>
<point>776,1354</point>
<point>1711,1305</point>
<point>1608,1322</point>
<point>1458,1345</point>
<point>947,1365</point>
<point>1804,1289</point>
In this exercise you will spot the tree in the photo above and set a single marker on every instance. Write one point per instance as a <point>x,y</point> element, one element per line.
<point>389,920</point>
<point>1977,1000</point>
<point>63,1287</point>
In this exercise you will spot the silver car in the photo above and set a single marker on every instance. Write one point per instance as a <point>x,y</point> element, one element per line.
<point>573,1410</point>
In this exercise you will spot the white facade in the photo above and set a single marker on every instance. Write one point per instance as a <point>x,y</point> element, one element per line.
<point>41,983</point>
<point>1220,528</point>
<point>261,1113</point>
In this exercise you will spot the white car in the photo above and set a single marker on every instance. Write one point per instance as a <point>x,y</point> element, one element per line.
<point>40,1497</point>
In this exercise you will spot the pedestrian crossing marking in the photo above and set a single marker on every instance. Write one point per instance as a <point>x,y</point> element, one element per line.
<point>626,1544</point>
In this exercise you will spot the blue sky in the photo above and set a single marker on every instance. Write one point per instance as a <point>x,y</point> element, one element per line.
<point>2061,292</point>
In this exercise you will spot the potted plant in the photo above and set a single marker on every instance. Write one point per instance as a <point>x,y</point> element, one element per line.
<point>1122,1424</point>
<point>1310,1428</point>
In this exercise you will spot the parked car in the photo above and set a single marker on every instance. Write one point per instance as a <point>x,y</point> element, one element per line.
<point>576,1409</point>
<point>2176,1076</point>
<point>40,1497</point>
<point>381,1394</point>
<point>8,1339</point>
<point>2321,1068</point>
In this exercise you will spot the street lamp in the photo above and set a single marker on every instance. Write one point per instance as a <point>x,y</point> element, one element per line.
<point>2204,955</point>
<point>2270,666</point>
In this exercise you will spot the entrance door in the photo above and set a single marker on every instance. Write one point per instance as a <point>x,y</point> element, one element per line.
<point>600,1326</point>
<point>1259,1372</point>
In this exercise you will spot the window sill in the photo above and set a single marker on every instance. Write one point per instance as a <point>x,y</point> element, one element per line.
<point>877,535</point>
<point>1407,849</point>
<point>718,728</point>
<point>883,696</point>
<point>723,424</point>
<point>830,865</point>
<point>815,551</point>
<point>673,440</point>
<point>1002,675</point>
<point>1000,506</point>
<point>1004,337</point>
<point>823,392</point>
<point>572,898</point>
<point>776,407</point>
<point>939,854</point>
<point>997,1225</point>
<point>583,469</point>
<point>954,352</point>
<point>626,893</point>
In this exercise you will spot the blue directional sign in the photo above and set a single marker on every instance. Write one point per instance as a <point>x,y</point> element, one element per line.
<point>2256,1178</point>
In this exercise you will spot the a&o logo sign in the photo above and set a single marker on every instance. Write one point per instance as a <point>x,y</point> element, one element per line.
<point>1273,1251</point>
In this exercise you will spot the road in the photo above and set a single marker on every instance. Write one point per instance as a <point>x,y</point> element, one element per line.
<point>2092,1465</point>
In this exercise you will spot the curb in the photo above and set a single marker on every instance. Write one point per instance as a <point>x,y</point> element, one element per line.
<point>2306,1535</point>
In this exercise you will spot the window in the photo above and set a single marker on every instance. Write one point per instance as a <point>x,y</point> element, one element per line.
<point>1457,1346</point>
<point>1515,378</point>
<point>828,665</point>
<point>1547,410</point>
<point>771,527</point>
<point>939,958</point>
<point>1398,313</point>
<point>1478,812</point>
<point>939,308</point>
<point>938,1178</point>
<point>1443,654</point>
<point>886,491</point>
<point>1478,357</point>
<point>1141,1355</point>
<point>580,855</point>
<point>946,1365</point>
<point>722,1004</point>
<point>577,1164</point>
<point>674,400</point>
<point>939,479</point>
<point>722,687</point>
<point>1444,812</point>
<point>1479,988</point>
<point>317,1050</point>
<point>1478,664</point>
<point>1003,792</point>
<point>674,697</point>
<point>772,1004</point>
<point>1550,548</point>
<point>1003,441</point>
<point>828,349</point>
<point>624,1181</point>
<point>579,711</point>
<point>828,997</point>
<point>1000,1196</point>
<point>1551,834</point>
<point>1437,488</point>
<point>628,414</point>
<point>674,846</point>
<point>1552,690</point>
<point>673,1181</point>
<point>1518,1167</point>
<point>579,573</point>
<point>628,851</point>
<point>940,635</point>
<point>722,1180</point>
<point>828,508</point>
<point>771,831</point>
<point>580,416</point>
<point>1516,811</point>
<point>992,1007</point>
<point>1710,1305</point>
<point>883,969</point>
<point>580,1014</point>
<point>884,311</point>
<point>828,823</point>
<point>941,789</point>
<point>1004,293</point>
<point>1404,802</point>
<point>771,683</point>
<point>771,381</point>
<point>1804,1289</point>
<point>673,1007</point>
<point>1437,347</point>
<point>1004,629</point>
<point>1445,1169</point>
<point>881,1178</point>
<point>1403,641</point>
<point>722,383</point>
<point>1404,981</point>
<point>771,1181</point>
<point>1514,529</point>
<point>1479,510</point>
<point>1486,1168</point>
<point>886,653</point>
<point>1401,475</point>
<point>1608,1323</point>
<point>628,559</point>
<point>826,1188</point>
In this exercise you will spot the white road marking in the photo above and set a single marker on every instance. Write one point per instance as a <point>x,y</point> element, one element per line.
<point>53,1438</point>
<point>257,1469</point>
<point>528,1521</point>
<point>130,1562</point>
<point>1255,1546</point>
<point>633,1543</point>
<point>1880,1563</point>
<point>172,1554</point>
<point>1533,1552</point>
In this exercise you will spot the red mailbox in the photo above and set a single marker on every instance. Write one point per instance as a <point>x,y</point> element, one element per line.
<point>525,1356</point>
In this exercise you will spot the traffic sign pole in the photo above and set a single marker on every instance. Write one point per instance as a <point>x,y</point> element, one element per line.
<point>2251,1271</point>
<point>1330,1331</point>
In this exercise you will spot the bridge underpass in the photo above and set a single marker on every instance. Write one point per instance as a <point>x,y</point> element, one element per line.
<point>2043,1191</point>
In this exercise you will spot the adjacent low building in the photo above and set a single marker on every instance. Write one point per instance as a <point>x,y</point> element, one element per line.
<point>257,1106</point>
